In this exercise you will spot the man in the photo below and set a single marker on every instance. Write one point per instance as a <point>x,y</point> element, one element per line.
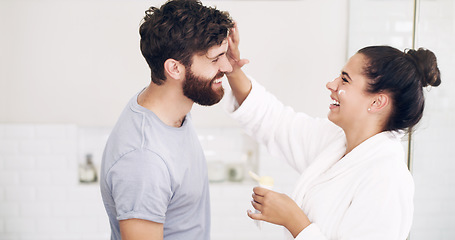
<point>154,177</point>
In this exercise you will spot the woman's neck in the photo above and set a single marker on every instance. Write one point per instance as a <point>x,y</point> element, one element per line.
<point>357,136</point>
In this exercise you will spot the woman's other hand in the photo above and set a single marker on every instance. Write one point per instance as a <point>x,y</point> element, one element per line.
<point>278,208</point>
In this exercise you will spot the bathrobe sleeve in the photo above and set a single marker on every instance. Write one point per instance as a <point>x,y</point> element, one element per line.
<point>296,137</point>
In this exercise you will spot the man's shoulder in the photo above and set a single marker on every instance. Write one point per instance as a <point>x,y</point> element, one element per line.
<point>141,162</point>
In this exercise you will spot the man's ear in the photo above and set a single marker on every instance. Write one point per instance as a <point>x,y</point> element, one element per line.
<point>381,101</point>
<point>174,69</point>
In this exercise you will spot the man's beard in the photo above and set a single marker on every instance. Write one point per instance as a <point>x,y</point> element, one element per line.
<point>199,89</point>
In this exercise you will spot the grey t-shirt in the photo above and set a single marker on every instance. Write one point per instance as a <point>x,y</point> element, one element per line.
<point>155,172</point>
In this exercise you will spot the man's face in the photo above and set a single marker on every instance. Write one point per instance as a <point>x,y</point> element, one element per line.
<point>203,83</point>
<point>200,90</point>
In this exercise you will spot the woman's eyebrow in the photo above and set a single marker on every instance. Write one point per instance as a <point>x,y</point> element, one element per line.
<point>346,74</point>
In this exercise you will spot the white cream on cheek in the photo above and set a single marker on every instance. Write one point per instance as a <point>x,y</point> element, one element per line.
<point>341,94</point>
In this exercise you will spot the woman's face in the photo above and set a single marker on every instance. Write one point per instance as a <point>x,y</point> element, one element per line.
<point>350,100</point>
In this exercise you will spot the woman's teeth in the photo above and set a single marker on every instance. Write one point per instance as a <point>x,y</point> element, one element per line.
<point>335,102</point>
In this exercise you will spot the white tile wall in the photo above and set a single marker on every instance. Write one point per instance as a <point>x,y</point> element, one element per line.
<point>41,198</point>
<point>229,200</point>
<point>434,164</point>
<point>434,140</point>
<point>377,22</point>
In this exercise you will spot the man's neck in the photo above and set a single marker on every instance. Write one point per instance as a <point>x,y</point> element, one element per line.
<point>167,102</point>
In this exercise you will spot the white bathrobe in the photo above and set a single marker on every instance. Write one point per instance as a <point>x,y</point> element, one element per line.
<point>365,195</point>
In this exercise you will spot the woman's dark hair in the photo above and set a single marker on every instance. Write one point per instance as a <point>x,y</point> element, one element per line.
<point>403,75</point>
<point>178,30</point>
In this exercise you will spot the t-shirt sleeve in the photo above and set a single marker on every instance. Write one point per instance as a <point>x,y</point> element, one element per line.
<point>141,186</point>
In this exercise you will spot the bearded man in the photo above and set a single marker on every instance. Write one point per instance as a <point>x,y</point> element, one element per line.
<point>154,176</point>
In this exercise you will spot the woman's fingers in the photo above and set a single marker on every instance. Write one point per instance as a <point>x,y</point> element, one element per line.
<point>256,205</point>
<point>242,62</point>
<point>254,215</point>
<point>260,191</point>
<point>257,198</point>
<point>233,52</point>
<point>234,33</point>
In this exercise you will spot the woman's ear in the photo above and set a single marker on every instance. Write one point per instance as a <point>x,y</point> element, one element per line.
<point>174,69</point>
<point>380,102</point>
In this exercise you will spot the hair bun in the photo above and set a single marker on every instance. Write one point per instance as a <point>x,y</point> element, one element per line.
<point>426,63</point>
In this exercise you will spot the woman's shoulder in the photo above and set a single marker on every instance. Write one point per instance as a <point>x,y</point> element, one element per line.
<point>388,161</point>
<point>391,171</point>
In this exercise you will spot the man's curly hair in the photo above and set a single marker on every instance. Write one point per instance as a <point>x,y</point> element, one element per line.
<point>178,30</point>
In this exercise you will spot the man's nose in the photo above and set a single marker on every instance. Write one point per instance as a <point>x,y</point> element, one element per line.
<point>225,66</point>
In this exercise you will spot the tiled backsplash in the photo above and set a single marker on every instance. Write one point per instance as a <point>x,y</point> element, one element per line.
<point>41,197</point>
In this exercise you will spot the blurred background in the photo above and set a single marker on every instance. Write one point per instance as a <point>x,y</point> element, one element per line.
<point>68,67</point>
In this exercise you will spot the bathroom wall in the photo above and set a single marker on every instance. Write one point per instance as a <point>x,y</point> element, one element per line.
<point>68,67</point>
<point>78,62</point>
<point>433,161</point>
<point>374,22</point>
<point>42,198</point>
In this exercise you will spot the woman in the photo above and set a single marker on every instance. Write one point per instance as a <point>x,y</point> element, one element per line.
<point>354,182</point>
